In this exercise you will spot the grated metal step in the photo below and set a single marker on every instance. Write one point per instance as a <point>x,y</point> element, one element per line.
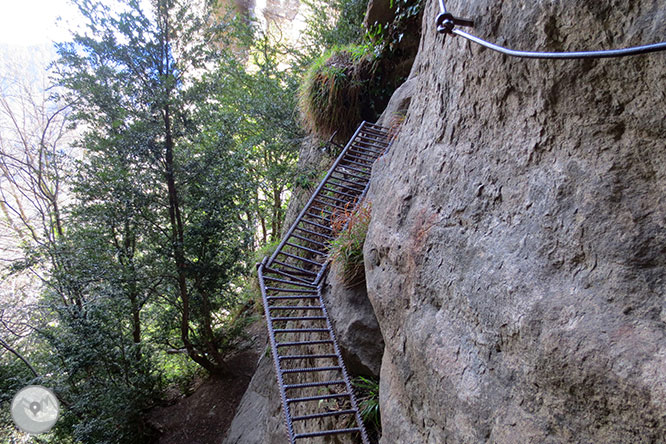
<point>296,278</point>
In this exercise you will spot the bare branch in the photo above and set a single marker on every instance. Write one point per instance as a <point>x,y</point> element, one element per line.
<point>13,351</point>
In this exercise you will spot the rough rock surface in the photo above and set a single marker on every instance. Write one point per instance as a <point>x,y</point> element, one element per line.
<point>517,251</point>
<point>378,12</point>
<point>355,325</point>
<point>259,418</point>
<point>396,110</point>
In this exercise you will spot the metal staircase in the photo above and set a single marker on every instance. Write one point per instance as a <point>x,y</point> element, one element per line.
<point>317,396</point>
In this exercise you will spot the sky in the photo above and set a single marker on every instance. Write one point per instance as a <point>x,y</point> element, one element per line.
<point>34,22</point>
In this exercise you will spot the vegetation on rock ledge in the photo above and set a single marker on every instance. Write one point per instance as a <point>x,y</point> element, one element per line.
<point>335,90</point>
<point>351,228</point>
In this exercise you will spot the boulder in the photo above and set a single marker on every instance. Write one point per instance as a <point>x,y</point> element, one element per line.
<point>355,325</point>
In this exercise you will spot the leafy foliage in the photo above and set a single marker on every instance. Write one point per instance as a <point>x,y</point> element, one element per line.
<point>392,37</point>
<point>262,103</point>
<point>332,23</point>
<point>97,375</point>
<point>157,233</point>
<point>160,187</point>
<point>367,390</point>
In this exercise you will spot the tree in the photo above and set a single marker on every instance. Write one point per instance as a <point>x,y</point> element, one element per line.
<point>34,148</point>
<point>259,91</point>
<point>34,159</point>
<point>166,188</point>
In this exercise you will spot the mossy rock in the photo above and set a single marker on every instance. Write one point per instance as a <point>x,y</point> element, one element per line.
<point>335,95</point>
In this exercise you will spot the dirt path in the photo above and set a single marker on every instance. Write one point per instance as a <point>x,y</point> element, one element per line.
<point>205,415</point>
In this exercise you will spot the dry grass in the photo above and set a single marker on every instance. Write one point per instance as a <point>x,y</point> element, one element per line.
<point>347,249</point>
<point>334,90</point>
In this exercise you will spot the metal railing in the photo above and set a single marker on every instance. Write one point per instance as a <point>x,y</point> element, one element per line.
<point>446,24</point>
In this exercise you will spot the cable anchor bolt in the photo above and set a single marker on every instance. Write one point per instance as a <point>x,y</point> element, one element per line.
<point>446,22</point>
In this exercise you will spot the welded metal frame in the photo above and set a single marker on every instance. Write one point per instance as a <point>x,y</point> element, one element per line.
<point>373,145</point>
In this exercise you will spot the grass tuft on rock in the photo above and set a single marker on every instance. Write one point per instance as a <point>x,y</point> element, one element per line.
<point>347,249</point>
<point>334,93</point>
<point>367,391</point>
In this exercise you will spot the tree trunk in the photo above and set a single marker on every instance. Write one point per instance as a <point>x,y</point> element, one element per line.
<point>277,209</point>
<point>178,242</point>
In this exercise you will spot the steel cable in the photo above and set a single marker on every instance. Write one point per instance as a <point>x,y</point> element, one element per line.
<point>446,23</point>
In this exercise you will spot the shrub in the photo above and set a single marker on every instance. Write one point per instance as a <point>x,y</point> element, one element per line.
<point>333,22</point>
<point>347,248</point>
<point>367,390</point>
<point>334,93</point>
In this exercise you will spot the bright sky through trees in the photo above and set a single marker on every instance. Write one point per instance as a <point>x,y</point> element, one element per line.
<point>37,22</point>
<point>34,22</point>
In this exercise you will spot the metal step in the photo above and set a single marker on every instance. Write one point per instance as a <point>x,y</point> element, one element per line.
<point>359,187</point>
<point>289,297</point>
<point>312,336</point>
<point>284,281</point>
<point>302,259</point>
<point>323,415</point>
<point>295,307</point>
<point>311,369</point>
<point>291,276</point>
<point>288,357</point>
<point>329,432</point>
<point>317,243</point>
<point>314,384</point>
<point>339,193</point>
<point>301,318</point>
<point>293,267</point>
<point>300,330</point>
<point>318,398</point>
<point>300,343</point>
<point>290,290</point>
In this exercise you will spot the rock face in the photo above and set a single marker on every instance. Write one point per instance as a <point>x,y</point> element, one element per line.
<point>378,12</point>
<point>259,418</point>
<point>355,324</point>
<point>517,251</point>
